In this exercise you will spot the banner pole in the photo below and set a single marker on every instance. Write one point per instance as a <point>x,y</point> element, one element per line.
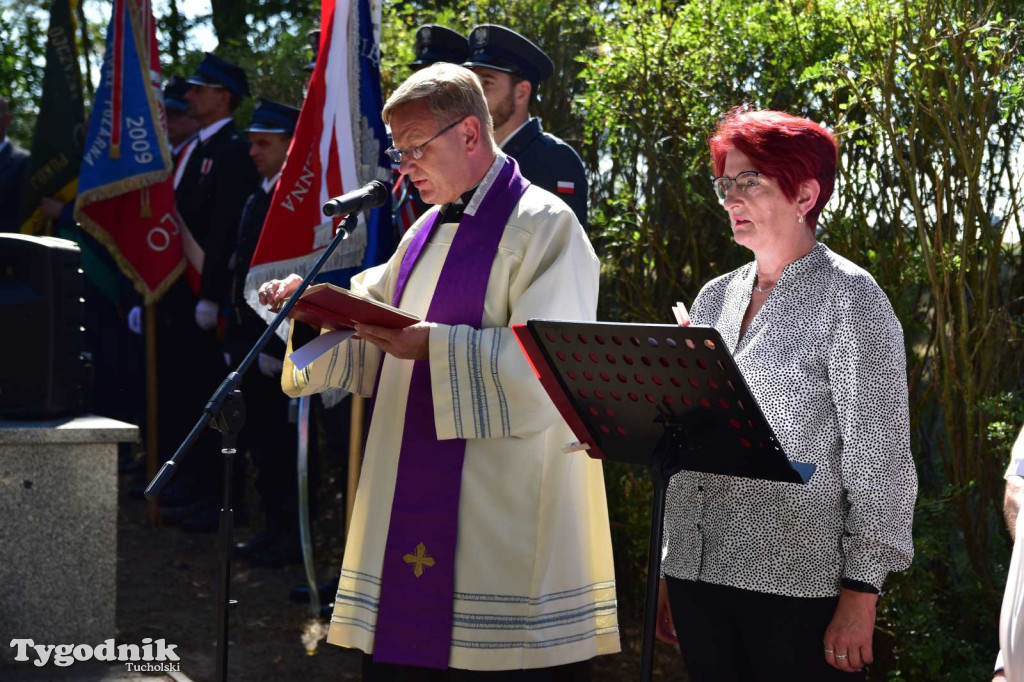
<point>355,455</point>
<point>152,410</point>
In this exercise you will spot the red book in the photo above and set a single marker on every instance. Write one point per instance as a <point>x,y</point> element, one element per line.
<point>331,307</point>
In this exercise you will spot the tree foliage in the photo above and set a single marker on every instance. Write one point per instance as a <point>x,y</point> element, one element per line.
<point>22,44</point>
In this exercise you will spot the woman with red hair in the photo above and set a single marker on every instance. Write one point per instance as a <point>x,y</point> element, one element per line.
<point>768,580</point>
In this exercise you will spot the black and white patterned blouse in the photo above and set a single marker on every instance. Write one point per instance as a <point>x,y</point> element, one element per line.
<point>824,358</point>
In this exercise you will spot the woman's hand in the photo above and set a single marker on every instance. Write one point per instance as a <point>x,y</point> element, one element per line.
<point>666,629</point>
<point>277,291</point>
<point>848,636</point>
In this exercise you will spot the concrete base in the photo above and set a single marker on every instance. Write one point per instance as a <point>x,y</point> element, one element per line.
<point>58,535</point>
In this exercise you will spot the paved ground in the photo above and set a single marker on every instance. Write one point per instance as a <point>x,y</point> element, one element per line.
<point>165,586</point>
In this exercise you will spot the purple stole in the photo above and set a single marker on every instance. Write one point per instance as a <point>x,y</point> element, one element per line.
<point>414,620</point>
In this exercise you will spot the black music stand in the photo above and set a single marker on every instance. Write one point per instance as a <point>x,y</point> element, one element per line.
<point>664,396</point>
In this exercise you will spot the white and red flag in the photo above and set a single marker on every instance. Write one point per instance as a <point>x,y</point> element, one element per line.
<point>338,146</point>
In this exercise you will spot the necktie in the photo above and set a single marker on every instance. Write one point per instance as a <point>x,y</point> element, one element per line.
<point>179,170</point>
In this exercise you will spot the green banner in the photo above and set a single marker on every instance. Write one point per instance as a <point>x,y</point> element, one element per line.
<point>60,128</point>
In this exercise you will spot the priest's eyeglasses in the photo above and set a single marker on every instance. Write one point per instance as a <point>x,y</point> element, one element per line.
<point>416,153</point>
<point>747,182</point>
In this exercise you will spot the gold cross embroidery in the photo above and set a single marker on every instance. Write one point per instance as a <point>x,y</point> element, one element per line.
<point>420,559</point>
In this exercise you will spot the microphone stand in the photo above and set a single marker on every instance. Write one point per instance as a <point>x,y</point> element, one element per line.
<point>225,411</point>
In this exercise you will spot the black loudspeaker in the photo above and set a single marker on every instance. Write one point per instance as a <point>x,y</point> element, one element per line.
<point>41,305</point>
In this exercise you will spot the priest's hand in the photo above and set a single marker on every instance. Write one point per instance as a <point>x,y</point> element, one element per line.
<point>277,291</point>
<point>411,343</point>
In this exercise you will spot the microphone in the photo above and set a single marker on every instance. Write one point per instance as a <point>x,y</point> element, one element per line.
<point>370,195</point>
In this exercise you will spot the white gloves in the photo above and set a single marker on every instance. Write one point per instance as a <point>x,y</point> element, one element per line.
<point>206,314</point>
<point>269,365</point>
<point>135,319</point>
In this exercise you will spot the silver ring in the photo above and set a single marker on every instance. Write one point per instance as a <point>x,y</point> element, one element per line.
<point>842,657</point>
<point>829,651</point>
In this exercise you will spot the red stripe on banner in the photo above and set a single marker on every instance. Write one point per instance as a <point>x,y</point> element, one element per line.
<point>334,186</point>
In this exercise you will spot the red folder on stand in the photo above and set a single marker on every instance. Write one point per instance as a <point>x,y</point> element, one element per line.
<point>619,387</point>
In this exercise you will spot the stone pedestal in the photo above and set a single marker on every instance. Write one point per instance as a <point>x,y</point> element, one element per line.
<point>58,530</point>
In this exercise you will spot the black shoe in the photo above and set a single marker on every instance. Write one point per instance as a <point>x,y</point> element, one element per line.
<point>326,589</point>
<point>207,520</point>
<point>258,543</point>
<point>279,554</point>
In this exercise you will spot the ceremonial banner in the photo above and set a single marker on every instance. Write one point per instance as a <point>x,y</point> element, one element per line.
<point>408,208</point>
<point>57,140</point>
<point>338,146</point>
<point>126,195</point>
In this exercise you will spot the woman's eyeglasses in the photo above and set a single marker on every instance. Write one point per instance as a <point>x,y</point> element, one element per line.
<point>746,182</point>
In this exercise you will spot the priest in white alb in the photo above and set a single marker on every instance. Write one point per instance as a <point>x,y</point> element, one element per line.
<point>477,544</point>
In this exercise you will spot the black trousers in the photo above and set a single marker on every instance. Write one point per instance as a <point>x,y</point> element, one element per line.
<point>387,672</point>
<point>272,443</point>
<point>190,366</point>
<point>727,634</point>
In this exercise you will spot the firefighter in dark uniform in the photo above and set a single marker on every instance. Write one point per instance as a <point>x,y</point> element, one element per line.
<point>436,43</point>
<point>268,437</point>
<point>214,178</point>
<point>510,68</point>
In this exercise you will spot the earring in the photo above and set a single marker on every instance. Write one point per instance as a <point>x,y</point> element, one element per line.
<point>799,218</point>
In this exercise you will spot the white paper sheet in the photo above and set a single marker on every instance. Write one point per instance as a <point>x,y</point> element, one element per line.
<point>304,357</point>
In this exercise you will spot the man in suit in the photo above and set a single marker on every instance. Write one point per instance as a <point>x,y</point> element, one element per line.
<point>13,169</point>
<point>269,438</point>
<point>510,67</point>
<point>181,125</point>
<point>213,180</point>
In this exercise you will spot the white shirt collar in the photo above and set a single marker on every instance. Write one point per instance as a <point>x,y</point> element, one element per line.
<point>212,129</point>
<point>485,184</point>
<point>181,145</point>
<point>513,133</point>
<point>270,183</point>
